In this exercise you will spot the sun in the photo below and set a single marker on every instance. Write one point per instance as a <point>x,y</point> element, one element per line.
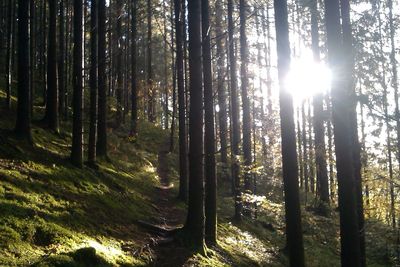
<point>307,78</point>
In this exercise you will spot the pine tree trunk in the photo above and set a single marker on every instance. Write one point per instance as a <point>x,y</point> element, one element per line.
<point>222,114</point>
<point>77,103</point>
<point>61,62</point>
<point>294,235</point>
<point>183,168</point>
<point>319,131</point>
<point>195,218</point>
<point>209,135</point>
<point>234,115</point>
<point>51,115</point>
<point>118,62</point>
<point>244,55</point>
<point>10,16</point>
<point>23,126</point>
<point>151,92</point>
<point>101,148</point>
<point>134,70</point>
<point>93,83</point>
<point>341,116</point>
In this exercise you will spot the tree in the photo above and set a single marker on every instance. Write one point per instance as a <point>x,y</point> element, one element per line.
<point>118,62</point>
<point>61,62</point>
<point>222,114</point>
<point>319,131</point>
<point>10,19</point>
<point>77,104</point>
<point>134,69</point>
<point>183,168</point>
<point>209,135</point>
<point>246,120</point>
<point>102,98</point>
<point>151,93</point>
<point>234,116</point>
<point>294,235</point>
<point>341,112</point>
<point>23,126</point>
<point>51,115</point>
<point>195,218</point>
<point>93,83</point>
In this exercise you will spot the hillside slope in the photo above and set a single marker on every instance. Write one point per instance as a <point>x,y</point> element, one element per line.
<point>53,214</point>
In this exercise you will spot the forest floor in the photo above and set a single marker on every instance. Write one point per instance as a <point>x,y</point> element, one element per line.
<point>123,213</point>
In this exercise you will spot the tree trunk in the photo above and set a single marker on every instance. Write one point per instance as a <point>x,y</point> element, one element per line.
<point>10,19</point>
<point>294,235</point>
<point>341,116</point>
<point>23,124</point>
<point>134,70</point>
<point>93,83</point>
<point>235,115</point>
<point>61,63</point>
<point>222,114</point>
<point>118,62</point>
<point>51,115</point>
<point>209,135</point>
<point>151,92</point>
<point>102,97</point>
<point>77,103</point>
<point>183,168</point>
<point>195,218</point>
<point>244,55</point>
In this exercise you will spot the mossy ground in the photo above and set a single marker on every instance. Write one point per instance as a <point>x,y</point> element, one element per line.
<point>53,214</point>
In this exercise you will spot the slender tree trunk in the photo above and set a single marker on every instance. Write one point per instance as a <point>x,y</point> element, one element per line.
<point>395,85</point>
<point>10,16</point>
<point>183,168</point>
<point>294,235</point>
<point>319,131</point>
<point>234,114</point>
<point>244,54</point>
<point>23,126</point>
<point>43,51</point>
<point>101,148</point>
<point>195,217</point>
<point>299,148</point>
<point>209,136</point>
<point>77,103</point>
<point>151,91</point>
<point>118,62</point>
<point>51,115</point>
<point>305,153</point>
<point>61,62</point>
<point>32,66</point>
<point>134,70</point>
<point>341,115</point>
<point>93,83</point>
<point>222,114</point>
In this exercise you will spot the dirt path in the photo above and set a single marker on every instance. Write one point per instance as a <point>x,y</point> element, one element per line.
<point>167,251</point>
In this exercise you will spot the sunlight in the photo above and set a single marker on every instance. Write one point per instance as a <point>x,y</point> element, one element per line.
<point>109,251</point>
<point>307,78</point>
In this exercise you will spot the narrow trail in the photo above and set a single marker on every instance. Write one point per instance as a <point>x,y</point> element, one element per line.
<point>167,250</point>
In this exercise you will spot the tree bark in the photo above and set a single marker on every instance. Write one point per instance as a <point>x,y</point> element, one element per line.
<point>234,115</point>
<point>77,103</point>
<point>93,83</point>
<point>195,218</point>
<point>51,115</point>
<point>294,235</point>
<point>183,160</point>
<point>23,126</point>
<point>102,95</point>
<point>209,135</point>
<point>341,116</point>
